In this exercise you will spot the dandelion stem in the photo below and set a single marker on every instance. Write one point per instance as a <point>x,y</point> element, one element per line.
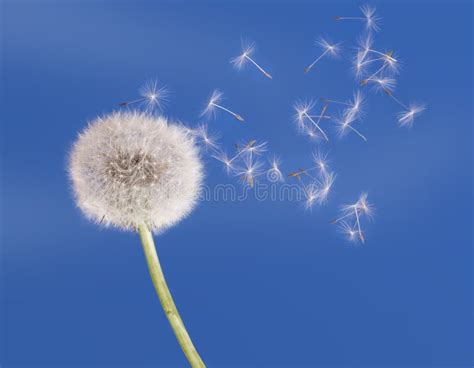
<point>317,126</point>
<point>350,18</point>
<point>310,66</point>
<point>166,299</point>
<point>341,218</point>
<point>356,211</point>
<point>335,101</point>
<point>259,67</point>
<point>377,72</point>
<point>357,132</point>
<point>396,100</point>
<point>237,116</point>
<point>384,55</point>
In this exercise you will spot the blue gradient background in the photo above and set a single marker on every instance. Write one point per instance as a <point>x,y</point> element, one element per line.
<point>259,284</point>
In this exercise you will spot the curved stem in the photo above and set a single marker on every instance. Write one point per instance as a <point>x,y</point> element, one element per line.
<point>166,299</point>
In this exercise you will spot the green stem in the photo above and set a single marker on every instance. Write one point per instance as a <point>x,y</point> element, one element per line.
<point>166,299</point>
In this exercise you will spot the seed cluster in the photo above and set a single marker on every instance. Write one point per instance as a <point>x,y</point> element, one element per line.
<point>134,169</point>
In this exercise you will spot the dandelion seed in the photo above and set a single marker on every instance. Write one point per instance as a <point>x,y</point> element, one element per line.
<point>214,103</point>
<point>369,17</point>
<point>348,231</point>
<point>224,159</point>
<point>296,174</point>
<point>383,84</point>
<point>355,211</point>
<point>252,147</point>
<point>343,125</point>
<point>303,111</point>
<point>327,48</point>
<point>247,50</point>
<point>251,169</point>
<point>406,118</point>
<point>364,206</point>
<point>202,135</point>
<point>354,106</point>
<point>153,96</point>
<point>311,193</point>
<point>320,159</point>
<point>325,186</point>
<point>274,173</point>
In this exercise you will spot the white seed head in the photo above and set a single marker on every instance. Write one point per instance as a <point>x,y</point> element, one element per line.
<point>129,168</point>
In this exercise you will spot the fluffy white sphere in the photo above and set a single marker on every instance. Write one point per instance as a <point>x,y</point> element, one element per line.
<point>129,168</point>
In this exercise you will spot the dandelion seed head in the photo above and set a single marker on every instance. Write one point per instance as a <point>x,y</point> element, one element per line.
<point>129,168</point>
<point>406,118</point>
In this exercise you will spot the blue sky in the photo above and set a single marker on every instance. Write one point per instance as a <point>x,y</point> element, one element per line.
<point>258,284</point>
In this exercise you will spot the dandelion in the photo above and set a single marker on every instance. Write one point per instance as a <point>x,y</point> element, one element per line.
<point>303,111</point>
<point>214,103</point>
<point>138,172</point>
<point>247,51</point>
<point>368,17</point>
<point>327,48</point>
<point>153,96</point>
